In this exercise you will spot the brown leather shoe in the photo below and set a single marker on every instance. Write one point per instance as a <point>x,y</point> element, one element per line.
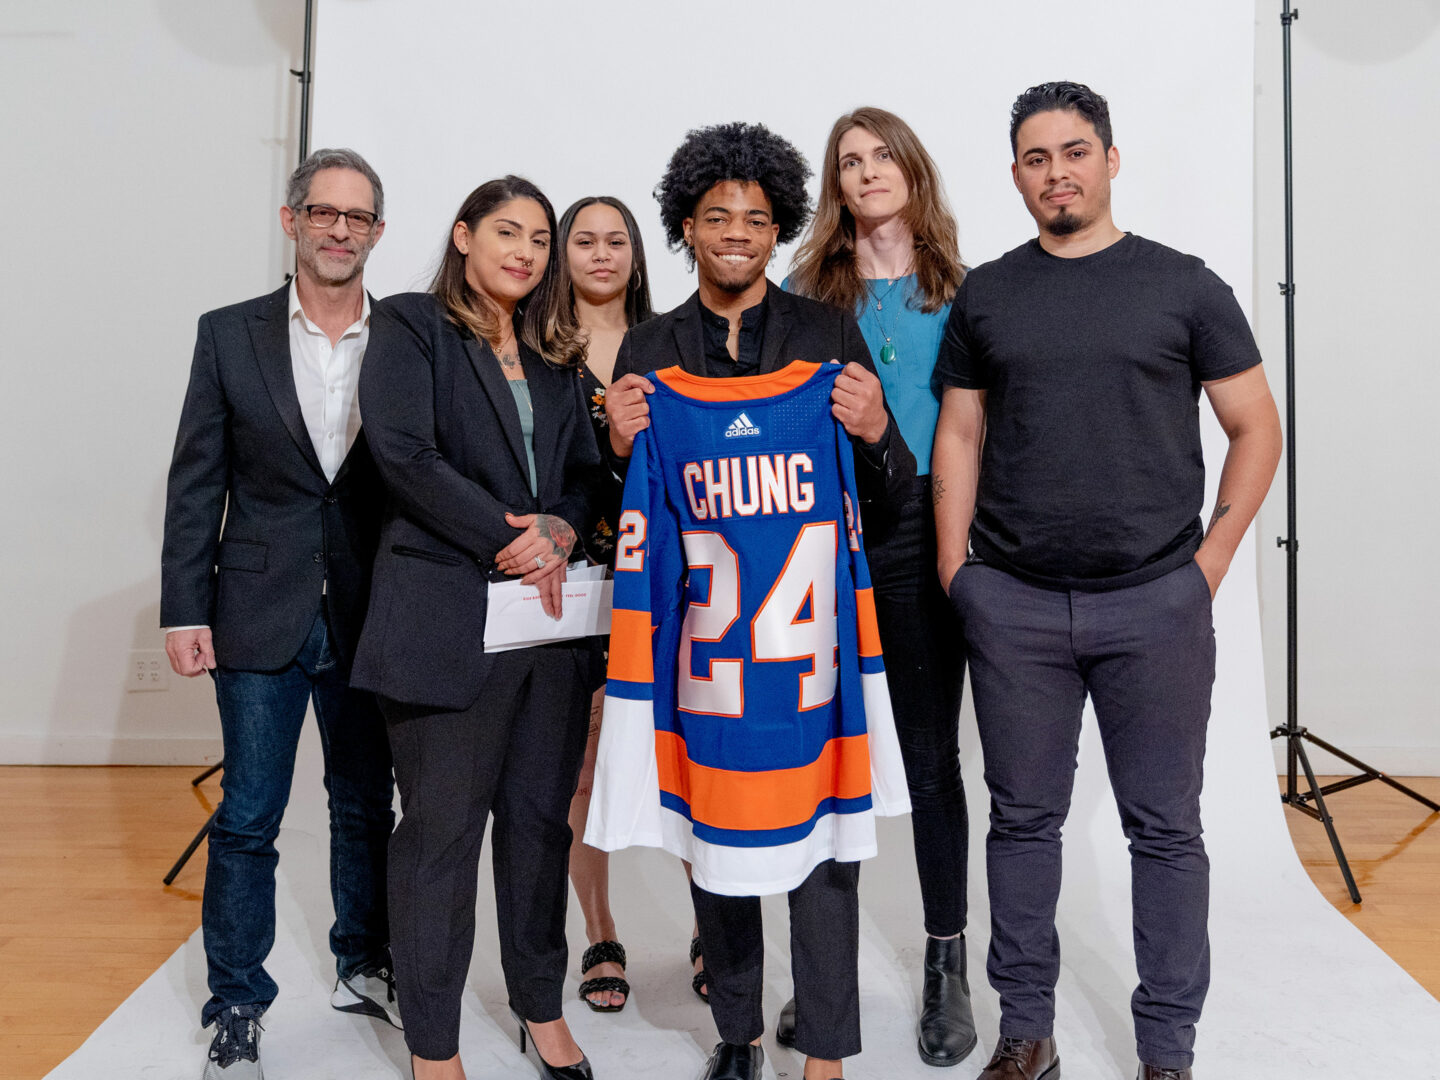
<point>1023,1059</point>
<point>1155,1072</point>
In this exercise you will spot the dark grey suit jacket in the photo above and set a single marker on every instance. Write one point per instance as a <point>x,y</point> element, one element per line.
<point>244,457</point>
<point>796,328</point>
<point>445,432</point>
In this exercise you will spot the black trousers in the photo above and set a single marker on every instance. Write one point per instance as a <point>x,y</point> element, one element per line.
<point>824,961</point>
<point>925,673</point>
<point>1145,655</point>
<point>514,754</point>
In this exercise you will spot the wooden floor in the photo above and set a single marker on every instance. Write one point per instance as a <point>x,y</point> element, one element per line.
<point>1393,846</point>
<point>84,918</point>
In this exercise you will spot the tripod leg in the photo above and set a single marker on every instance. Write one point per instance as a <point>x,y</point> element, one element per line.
<point>180,862</point>
<point>211,771</point>
<point>1374,774</point>
<point>1327,822</point>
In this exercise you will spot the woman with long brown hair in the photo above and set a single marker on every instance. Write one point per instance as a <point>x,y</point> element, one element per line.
<point>884,245</point>
<point>473,413</point>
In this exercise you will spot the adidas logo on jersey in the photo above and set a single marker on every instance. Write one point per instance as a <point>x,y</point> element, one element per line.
<point>740,426</point>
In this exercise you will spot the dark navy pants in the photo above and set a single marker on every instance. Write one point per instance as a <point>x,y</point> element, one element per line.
<point>261,713</point>
<point>1146,657</point>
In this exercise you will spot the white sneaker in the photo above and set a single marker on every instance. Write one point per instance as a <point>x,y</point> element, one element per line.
<point>370,992</point>
<point>235,1049</point>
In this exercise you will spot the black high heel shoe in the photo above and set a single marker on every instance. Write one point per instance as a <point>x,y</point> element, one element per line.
<point>579,1071</point>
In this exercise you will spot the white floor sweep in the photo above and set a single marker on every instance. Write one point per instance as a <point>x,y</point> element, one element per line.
<point>1296,992</point>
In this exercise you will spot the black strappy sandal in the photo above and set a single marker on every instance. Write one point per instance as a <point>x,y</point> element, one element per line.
<point>700,977</point>
<point>604,952</point>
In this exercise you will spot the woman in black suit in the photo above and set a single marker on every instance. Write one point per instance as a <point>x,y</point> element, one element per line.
<point>476,421</point>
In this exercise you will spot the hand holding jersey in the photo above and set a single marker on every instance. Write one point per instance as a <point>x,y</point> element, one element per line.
<point>858,402</point>
<point>628,411</point>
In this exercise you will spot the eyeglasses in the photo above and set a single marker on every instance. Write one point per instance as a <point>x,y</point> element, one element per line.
<point>322,217</point>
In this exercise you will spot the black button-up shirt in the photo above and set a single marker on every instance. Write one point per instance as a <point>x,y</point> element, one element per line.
<point>718,362</point>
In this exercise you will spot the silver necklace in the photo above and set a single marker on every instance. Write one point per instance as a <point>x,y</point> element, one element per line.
<point>887,351</point>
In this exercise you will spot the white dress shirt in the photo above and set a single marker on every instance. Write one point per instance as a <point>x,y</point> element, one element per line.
<point>326,380</point>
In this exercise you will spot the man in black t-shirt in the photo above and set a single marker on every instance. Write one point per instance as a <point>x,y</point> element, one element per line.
<point>1067,465</point>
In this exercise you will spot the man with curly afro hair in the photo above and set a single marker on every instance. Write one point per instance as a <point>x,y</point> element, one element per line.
<point>749,153</point>
<point>729,196</point>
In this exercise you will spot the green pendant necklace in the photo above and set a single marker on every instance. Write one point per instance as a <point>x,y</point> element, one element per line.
<point>887,351</point>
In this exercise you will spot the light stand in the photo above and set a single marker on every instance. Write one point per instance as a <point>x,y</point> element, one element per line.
<point>1294,735</point>
<point>306,76</point>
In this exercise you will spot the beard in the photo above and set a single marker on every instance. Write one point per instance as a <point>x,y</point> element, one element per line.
<point>738,280</point>
<point>307,253</point>
<point>1065,223</point>
<point>736,286</point>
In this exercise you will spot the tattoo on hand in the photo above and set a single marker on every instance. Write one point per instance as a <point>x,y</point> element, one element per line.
<point>937,489</point>
<point>1221,509</point>
<point>557,531</point>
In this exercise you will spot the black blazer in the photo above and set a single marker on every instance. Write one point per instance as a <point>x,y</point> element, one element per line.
<point>445,433</point>
<point>796,328</point>
<point>244,457</point>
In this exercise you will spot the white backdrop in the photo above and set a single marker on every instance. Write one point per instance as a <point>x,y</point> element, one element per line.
<point>587,98</point>
<point>442,94</point>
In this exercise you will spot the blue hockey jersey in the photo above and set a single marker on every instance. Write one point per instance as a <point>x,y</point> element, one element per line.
<point>747,723</point>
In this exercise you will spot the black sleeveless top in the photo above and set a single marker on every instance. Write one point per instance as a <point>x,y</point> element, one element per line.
<point>600,544</point>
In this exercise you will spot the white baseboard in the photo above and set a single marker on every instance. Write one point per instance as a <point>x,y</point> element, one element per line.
<point>1392,760</point>
<point>102,750</point>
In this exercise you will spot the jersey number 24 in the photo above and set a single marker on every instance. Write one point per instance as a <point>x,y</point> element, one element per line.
<point>795,622</point>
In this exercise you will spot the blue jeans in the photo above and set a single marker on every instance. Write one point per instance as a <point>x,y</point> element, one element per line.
<point>260,718</point>
<point>1145,655</point>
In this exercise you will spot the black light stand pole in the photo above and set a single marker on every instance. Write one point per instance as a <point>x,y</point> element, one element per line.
<point>306,76</point>
<point>204,829</point>
<point>1294,735</point>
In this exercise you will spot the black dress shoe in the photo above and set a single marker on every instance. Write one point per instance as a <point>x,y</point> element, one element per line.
<point>947,1024</point>
<point>1155,1072</point>
<point>785,1025</point>
<point>731,1062</point>
<point>1023,1059</point>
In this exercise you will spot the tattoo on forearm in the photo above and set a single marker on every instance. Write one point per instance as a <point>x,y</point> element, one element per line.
<point>557,531</point>
<point>1221,509</point>
<point>937,489</point>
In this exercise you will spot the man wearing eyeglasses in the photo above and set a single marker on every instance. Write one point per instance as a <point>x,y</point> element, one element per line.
<point>271,523</point>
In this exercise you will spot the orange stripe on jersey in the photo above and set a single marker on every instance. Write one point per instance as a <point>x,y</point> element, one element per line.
<point>774,799</point>
<point>738,387</point>
<point>865,624</point>
<point>630,656</point>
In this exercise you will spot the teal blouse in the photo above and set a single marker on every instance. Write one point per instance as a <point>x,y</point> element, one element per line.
<point>520,389</point>
<point>915,337</point>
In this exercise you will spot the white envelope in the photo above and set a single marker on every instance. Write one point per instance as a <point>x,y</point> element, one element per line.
<point>515,618</point>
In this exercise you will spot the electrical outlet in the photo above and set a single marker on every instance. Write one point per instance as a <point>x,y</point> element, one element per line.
<point>149,670</point>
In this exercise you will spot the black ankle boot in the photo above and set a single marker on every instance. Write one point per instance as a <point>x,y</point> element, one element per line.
<point>947,1024</point>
